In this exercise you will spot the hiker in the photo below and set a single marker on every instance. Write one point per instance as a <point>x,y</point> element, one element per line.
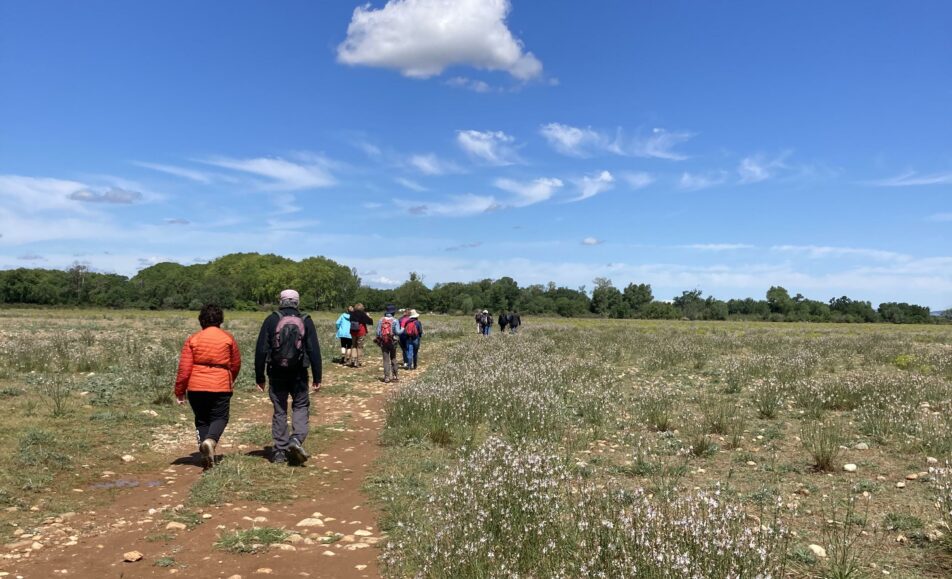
<point>412,332</point>
<point>359,321</point>
<point>207,369</point>
<point>343,333</point>
<point>503,322</point>
<point>485,321</point>
<point>404,318</point>
<point>287,346</point>
<point>479,322</point>
<point>388,332</point>
<point>514,321</point>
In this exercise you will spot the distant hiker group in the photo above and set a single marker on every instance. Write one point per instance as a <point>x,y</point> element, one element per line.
<point>389,332</point>
<point>484,322</point>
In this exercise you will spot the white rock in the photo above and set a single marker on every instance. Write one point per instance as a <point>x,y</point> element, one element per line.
<point>128,458</point>
<point>363,533</point>
<point>862,446</point>
<point>900,485</point>
<point>132,556</point>
<point>932,460</point>
<point>818,551</point>
<point>849,467</point>
<point>176,526</point>
<point>329,553</point>
<point>310,522</point>
<point>912,476</point>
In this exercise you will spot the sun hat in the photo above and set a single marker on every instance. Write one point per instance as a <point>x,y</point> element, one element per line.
<point>485,311</point>
<point>414,314</point>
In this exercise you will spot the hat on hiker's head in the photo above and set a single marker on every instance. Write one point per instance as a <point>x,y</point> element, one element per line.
<point>485,311</point>
<point>391,308</point>
<point>414,315</point>
<point>290,298</point>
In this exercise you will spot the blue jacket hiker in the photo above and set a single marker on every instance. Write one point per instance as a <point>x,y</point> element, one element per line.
<point>343,333</point>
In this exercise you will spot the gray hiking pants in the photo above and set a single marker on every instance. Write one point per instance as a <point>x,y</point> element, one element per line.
<point>389,362</point>
<point>279,392</point>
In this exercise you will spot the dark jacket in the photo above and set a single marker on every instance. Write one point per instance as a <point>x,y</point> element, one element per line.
<point>514,320</point>
<point>312,349</point>
<point>503,320</point>
<point>361,318</point>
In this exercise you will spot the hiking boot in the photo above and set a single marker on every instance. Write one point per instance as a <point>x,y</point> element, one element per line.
<point>297,453</point>
<point>278,457</point>
<point>207,448</point>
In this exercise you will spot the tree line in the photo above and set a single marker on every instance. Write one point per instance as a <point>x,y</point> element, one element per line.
<point>251,281</point>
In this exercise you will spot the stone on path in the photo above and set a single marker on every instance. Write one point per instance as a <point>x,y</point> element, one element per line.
<point>818,550</point>
<point>176,526</point>
<point>310,522</point>
<point>132,556</point>
<point>849,467</point>
<point>128,458</point>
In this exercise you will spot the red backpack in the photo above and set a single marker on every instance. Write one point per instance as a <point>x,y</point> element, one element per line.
<point>412,328</point>
<point>386,331</point>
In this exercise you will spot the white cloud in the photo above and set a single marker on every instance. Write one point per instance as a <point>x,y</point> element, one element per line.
<point>717,246</point>
<point>430,164</point>
<point>756,168</point>
<point>281,174</point>
<point>421,38</point>
<point>114,195</point>
<point>191,174</point>
<point>32,194</point>
<point>592,185</point>
<point>493,147</point>
<point>697,181</point>
<point>913,178</point>
<point>572,141</point>
<point>592,241</point>
<point>410,184</point>
<point>583,142</point>
<point>470,84</point>
<point>456,206</point>
<point>638,180</point>
<point>530,193</point>
<point>820,251</point>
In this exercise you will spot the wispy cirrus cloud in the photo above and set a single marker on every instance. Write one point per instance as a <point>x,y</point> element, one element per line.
<point>455,206</point>
<point>757,168</point>
<point>717,246</point>
<point>821,251</point>
<point>491,147</point>
<point>410,184</point>
<point>421,38</point>
<point>529,193</point>
<point>204,177</point>
<point>914,179</point>
<point>430,164</point>
<point>586,141</point>
<point>311,172</point>
<point>698,181</point>
<point>637,180</point>
<point>591,185</point>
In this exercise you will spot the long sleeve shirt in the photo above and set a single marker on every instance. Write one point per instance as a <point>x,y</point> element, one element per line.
<point>312,350</point>
<point>210,362</point>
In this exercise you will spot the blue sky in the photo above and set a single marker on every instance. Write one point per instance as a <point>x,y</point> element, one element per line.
<point>720,146</point>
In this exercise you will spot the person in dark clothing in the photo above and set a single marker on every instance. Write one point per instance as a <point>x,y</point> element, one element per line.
<point>286,366</point>
<point>359,322</point>
<point>514,321</point>
<point>503,322</point>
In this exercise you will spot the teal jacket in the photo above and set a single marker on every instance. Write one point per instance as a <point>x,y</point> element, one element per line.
<point>343,325</point>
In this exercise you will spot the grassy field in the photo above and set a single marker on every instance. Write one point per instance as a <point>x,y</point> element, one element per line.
<point>597,448</point>
<point>577,448</point>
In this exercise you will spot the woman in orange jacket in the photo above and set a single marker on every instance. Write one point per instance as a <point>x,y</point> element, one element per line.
<point>207,370</point>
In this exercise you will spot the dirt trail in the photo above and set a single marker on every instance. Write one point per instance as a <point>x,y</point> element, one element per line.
<point>328,489</point>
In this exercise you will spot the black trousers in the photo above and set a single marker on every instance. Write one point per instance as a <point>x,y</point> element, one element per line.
<point>211,413</point>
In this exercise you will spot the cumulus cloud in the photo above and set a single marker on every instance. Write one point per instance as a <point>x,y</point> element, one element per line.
<point>529,193</point>
<point>421,38</point>
<point>114,195</point>
<point>311,172</point>
<point>590,241</point>
<point>592,185</point>
<point>584,142</point>
<point>697,181</point>
<point>492,147</point>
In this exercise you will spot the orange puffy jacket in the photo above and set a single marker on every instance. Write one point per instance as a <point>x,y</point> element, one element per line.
<point>210,362</point>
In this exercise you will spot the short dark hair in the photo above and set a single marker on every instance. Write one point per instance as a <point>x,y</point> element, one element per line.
<point>211,315</point>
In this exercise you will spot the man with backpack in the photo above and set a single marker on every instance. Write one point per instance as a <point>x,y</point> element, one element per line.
<point>485,320</point>
<point>388,332</point>
<point>503,322</point>
<point>287,346</point>
<point>515,320</point>
<point>412,332</point>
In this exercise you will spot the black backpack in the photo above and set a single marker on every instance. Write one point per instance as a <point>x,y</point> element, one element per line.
<point>287,343</point>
